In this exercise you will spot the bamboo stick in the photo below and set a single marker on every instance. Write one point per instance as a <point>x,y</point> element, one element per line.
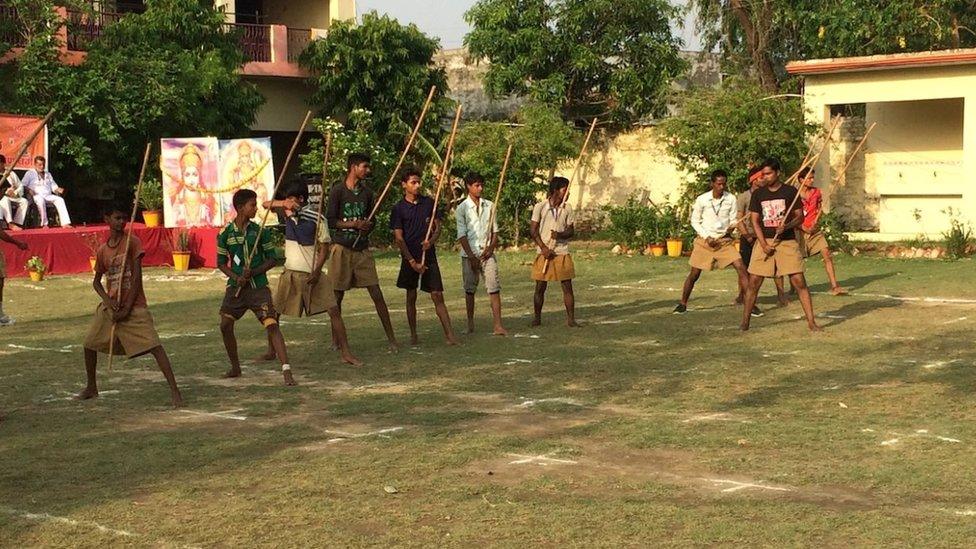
<point>498,197</point>
<point>318,220</point>
<point>572,177</point>
<point>445,174</point>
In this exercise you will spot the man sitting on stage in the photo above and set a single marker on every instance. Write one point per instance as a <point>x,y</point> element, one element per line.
<point>45,191</point>
<point>13,205</point>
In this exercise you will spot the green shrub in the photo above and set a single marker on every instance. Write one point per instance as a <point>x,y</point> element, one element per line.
<point>959,240</point>
<point>834,231</point>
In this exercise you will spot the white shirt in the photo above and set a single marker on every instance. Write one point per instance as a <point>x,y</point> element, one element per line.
<point>553,219</point>
<point>15,184</point>
<point>711,217</point>
<point>40,186</point>
<point>472,223</point>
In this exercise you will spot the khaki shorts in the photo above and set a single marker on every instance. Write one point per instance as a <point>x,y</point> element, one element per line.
<point>708,259</point>
<point>293,298</point>
<point>257,300</point>
<point>811,244</point>
<point>134,336</point>
<point>351,269</point>
<point>489,270</point>
<point>559,269</point>
<point>786,261</point>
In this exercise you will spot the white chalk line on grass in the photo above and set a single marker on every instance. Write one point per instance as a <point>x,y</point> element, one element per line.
<point>940,364</point>
<point>736,485</point>
<point>541,460</point>
<point>175,336</point>
<point>533,402</point>
<point>382,433</point>
<point>529,336</point>
<point>226,414</point>
<point>65,349</point>
<point>919,433</point>
<point>955,320</point>
<point>71,396</point>
<point>514,361</point>
<point>45,517</point>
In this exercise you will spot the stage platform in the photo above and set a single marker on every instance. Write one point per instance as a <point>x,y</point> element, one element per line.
<point>66,251</point>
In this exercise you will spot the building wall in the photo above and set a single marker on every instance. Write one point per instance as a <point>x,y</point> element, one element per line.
<point>286,102</point>
<point>921,157</point>
<point>300,14</point>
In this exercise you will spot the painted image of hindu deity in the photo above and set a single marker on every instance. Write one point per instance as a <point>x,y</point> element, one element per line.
<point>246,164</point>
<point>190,182</point>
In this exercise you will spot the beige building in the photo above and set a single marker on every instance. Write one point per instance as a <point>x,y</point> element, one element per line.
<point>920,160</point>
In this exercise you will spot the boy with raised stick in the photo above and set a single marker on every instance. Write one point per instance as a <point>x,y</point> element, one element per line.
<point>350,263</point>
<point>247,284</point>
<point>410,221</point>
<point>811,238</point>
<point>477,233</point>
<point>552,221</point>
<point>301,289</point>
<point>775,215</point>
<point>713,218</point>
<point>124,305</point>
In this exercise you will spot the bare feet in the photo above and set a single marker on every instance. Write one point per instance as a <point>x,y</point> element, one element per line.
<point>470,329</point>
<point>783,301</point>
<point>349,359</point>
<point>744,327</point>
<point>535,322</point>
<point>738,301</point>
<point>289,379</point>
<point>268,356</point>
<point>177,400</point>
<point>815,328</point>
<point>87,393</point>
<point>235,371</point>
<point>334,346</point>
<point>837,290</point>
<point>572,324</point>
<point>394,347</point>
<point>414,340</point>
<point>452,340</point>
<point>499,331</point>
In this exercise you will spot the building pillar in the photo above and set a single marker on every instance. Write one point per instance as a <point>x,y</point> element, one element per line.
<point>969,158</point>
<point>279,44</point>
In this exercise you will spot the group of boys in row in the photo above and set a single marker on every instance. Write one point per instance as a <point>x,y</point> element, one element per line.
<point>339,245</point>
<point>777,231</point>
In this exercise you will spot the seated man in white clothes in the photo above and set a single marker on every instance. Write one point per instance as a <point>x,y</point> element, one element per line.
<point>41,184</point>
<point>13,205</point>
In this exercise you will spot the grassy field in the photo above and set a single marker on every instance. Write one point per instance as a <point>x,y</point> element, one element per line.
<point>641,428</point>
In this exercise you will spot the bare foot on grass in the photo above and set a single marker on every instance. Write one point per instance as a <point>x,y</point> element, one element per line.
<point>499,331</point>
<point>348,358</point>
<point>289,379</point>
<point>87,393</point>
<point>235,371</point>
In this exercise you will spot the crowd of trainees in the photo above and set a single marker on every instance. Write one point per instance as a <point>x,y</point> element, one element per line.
<point>778,228</point>
<point>325,256</point>
<point>37,188</point>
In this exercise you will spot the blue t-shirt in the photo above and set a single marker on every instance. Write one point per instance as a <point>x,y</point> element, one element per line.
<point>413,220</point>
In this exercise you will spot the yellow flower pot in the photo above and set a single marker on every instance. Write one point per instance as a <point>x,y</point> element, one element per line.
<point>36,276</point>
<point>675,245</point>
<point>151,218</point>
<point>657,250</point>
<point>92,261</point>
<point>181,261</point>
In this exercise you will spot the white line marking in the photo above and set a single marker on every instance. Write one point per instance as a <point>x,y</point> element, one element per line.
<point>538,460</point>
<point>721,416</point>
<point>174,336</point>
<point>939,364</point>
<point>960,319</point>
<point>226,414</point>
<point>513,361</point>
<point>63,520</point>
<point>347,436</point>
<point>530,403</point>
<point>736,485</point>
<point>530,336</point>
<point>65,349</point>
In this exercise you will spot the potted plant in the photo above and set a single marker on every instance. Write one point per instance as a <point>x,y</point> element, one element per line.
<point>671,229</point>
<point>655,232</point>
<point>180,244</point>
<point>36,268</point>
<point>93,242</point>
<point>151,201</point>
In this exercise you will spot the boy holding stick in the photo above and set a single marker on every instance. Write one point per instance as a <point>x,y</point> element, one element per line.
<point>411,218</point>
<point>477,233</point>
<point>811,238</point>
<point>124,305</point>
<point>552,222</point>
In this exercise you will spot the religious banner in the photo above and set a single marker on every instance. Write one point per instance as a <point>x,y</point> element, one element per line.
<point>191,184</point>
<point>14,130</point>
<point>246,164</point>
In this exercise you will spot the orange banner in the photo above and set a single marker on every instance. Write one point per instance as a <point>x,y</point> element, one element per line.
<point>14,130</point>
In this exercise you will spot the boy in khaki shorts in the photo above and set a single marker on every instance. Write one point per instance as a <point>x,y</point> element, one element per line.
<point>351,264</point>
<point>124,305</point>
<point>247,285</point>
<point>478,241</point>
<point>811,239</point>
<point>778,253</point>
<point>713,218</point>
<point>552,223</point>
<point>301,289</point>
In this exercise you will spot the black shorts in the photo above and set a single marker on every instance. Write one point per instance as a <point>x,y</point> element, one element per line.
<point>429,282</point>
<point>745,250</point>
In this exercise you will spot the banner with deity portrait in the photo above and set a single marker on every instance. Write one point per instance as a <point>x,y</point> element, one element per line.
<point>14,130</point>
<point>201,175</point>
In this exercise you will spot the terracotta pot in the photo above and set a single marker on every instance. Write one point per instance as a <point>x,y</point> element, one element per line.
<point>675,246</point>
<point>181,261</point>
<point>151,217</point>
<point>36,276</point>
<point>657,250</point>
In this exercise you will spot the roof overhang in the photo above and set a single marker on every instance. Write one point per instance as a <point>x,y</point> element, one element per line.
<point>883,62</point>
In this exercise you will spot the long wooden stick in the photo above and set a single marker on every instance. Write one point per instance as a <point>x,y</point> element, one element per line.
<point>267,211</point>
<point>445,175</point>
<point>26,145</point>
<point>809,160</point>
<point>318,220</point>
<point>857,149</point>
<point>572,177</point>
<point>403,156</point>
<point>125,253</point>
<point>498,198</point>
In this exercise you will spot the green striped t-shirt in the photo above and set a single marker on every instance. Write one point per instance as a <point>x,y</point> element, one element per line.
<point>233,247</point>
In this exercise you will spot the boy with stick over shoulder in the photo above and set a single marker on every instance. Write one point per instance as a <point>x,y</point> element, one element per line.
<point>351,264</point>
<point>551,229</point>
<point>477,234</point>
<point>776,213</point>
<point>418,264</point>
<point>124,305</point>
<point>247,285</point>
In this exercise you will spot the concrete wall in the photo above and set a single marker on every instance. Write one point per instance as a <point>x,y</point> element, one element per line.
<point>300,14</point>
<point>464,77</point>
<point>285,106</point>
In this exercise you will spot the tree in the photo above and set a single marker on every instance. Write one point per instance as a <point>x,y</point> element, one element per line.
<point>761,36</point>
<point>380,66</point>
<point>614,59</point>
<point>541,142</point>
<point>727,127</point>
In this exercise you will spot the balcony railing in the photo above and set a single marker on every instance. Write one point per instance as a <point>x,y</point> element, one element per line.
<point>84,28</point>
<point>255,41</point>
<point>10,28</point>
<point>298,40</point>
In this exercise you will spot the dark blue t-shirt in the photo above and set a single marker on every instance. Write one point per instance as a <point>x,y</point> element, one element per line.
<point>413,219</point>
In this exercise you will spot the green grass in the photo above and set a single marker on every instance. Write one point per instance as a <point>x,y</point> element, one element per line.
<point>651,410</point>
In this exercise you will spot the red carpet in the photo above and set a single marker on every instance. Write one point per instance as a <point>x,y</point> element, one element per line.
<point>65,251</point>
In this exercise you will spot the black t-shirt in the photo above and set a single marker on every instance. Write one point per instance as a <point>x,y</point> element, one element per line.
<point>413,220</point>
<point>771,207</point>
<point>348,205</point>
